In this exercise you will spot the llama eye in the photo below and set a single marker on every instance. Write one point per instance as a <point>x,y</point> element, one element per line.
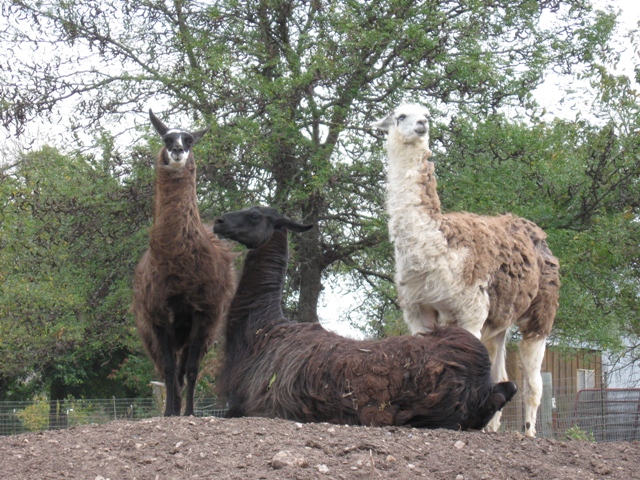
<point>401,117</point>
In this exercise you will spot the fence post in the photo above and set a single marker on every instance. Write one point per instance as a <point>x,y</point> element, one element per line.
<point>159,395</point>
<point>545,419</point>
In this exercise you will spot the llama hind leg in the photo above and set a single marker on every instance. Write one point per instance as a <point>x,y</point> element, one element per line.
<point>496,346</point>
<point>531,354</point>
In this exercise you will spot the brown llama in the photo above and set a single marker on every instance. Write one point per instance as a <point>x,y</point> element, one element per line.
<point>299,371</point>
<point>185,280</point>
<point>482,273</point>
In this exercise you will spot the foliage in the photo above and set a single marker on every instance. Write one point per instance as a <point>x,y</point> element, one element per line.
<point>291,86</point>
<point>70,237</point>
<point>576,433</point>
<point>579,183</point>
<point>35,417</point>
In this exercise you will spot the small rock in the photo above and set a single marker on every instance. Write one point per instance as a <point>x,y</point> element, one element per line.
<point>298,425</point>
<point>600,468</point>
<point>280,460</point>
<point>284,458</point>
<point>459,444</point>
<point>390,458</point>
<point>323,468</point>
<point>459,477</point>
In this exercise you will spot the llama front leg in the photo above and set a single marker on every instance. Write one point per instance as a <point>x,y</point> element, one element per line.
<point>192,366</point>
<point>173,401</point>
<point>420,318</point>
<point>531,354</point>
<point>496,346</point>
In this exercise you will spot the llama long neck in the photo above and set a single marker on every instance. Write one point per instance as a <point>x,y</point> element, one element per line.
<point>176,219</point>
<point>411,179</point>
<point>257,303</point>
<point>412,196</point>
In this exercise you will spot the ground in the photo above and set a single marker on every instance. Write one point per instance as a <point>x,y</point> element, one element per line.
<point>257,448</point>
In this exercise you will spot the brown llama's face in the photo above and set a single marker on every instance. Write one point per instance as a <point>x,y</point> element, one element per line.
<point>178,142</point>
<point>178,146</point>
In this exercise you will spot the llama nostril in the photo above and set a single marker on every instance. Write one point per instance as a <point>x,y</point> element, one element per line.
<point>218,221</point>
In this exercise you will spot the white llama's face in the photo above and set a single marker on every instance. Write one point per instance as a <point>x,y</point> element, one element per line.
<point>407,124</point>
<point>410,121</point>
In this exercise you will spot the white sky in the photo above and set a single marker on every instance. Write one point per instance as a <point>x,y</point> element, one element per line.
<point>551,94</point>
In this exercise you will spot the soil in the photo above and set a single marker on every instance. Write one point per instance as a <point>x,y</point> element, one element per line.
<point>259,448</point>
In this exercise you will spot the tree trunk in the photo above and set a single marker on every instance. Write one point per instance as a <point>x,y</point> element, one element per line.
<point>310,257</point>
<point>57,414</point>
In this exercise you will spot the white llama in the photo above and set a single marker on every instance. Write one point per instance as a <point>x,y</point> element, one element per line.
<point>483,273</point>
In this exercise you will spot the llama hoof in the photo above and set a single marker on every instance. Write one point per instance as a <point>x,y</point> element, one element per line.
<point>529,431</point>
<point>494,423</point>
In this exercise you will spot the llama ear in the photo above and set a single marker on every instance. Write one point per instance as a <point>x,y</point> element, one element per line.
<point>294,226</point>
<point>197,136</point>
<point>383,124</point>
<point>160,127</point>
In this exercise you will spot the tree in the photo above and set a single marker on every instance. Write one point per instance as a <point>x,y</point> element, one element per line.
<point>579,183</point>
<point>291,85</point>
<point>69,234</point>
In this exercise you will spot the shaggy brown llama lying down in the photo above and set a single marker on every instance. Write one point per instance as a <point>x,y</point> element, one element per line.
<point>185,280</point>
<point>299,371</point>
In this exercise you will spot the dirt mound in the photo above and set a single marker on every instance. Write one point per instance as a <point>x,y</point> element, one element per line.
<point>258,448</point>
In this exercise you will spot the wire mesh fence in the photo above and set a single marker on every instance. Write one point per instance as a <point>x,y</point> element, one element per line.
<point>595,414</point>
<point>611,414</point>
<point>42,414</point>
<point>602,415</point>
